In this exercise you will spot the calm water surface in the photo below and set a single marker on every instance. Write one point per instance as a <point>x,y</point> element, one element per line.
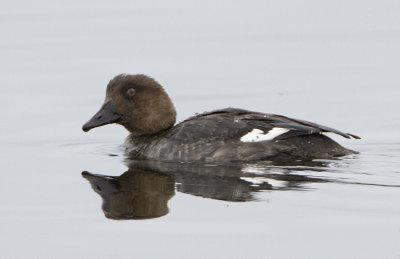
<point>69,194</point>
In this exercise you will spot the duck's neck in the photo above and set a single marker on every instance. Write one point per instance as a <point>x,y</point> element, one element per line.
<point>151,120</point>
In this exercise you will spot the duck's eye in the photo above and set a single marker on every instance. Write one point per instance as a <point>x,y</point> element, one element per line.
<point>130,92</point>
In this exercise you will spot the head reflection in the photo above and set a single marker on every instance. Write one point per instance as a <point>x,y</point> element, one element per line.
<point>144,190</point>
<point>135,194</point>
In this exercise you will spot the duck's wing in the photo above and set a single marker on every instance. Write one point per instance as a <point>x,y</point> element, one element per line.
<point>247,126</point>
<point>296,127</point>
<point>326,129</point>
<point>209,127</point>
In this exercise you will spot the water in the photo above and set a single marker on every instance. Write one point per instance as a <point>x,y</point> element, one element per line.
<point>332,63</point>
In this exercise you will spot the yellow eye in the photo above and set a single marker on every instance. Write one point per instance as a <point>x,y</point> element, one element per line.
<point>130,92</point>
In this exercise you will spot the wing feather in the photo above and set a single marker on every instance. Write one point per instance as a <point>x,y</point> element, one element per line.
<point>231,123</point>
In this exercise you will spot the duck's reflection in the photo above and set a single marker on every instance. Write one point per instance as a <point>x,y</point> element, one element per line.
<point>136,194</point>
<point>143,191</point>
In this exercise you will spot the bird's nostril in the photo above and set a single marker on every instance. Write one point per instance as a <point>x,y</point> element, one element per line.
<point>99,117</point>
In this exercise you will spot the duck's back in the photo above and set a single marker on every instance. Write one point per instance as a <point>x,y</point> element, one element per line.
<point>238,135</point>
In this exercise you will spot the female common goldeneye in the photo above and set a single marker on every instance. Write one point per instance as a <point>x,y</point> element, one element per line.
<point>141,105</point>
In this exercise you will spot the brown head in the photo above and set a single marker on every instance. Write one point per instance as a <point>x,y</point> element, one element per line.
<point>137,102</point>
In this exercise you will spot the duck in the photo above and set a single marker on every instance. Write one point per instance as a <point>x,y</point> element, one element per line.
<point>141,105</point>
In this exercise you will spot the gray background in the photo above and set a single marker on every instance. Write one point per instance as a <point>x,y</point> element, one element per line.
<point>332,62</point>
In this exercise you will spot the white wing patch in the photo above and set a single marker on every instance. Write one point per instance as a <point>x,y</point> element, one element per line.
<point>257,135</point>
<point>260,180</point>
